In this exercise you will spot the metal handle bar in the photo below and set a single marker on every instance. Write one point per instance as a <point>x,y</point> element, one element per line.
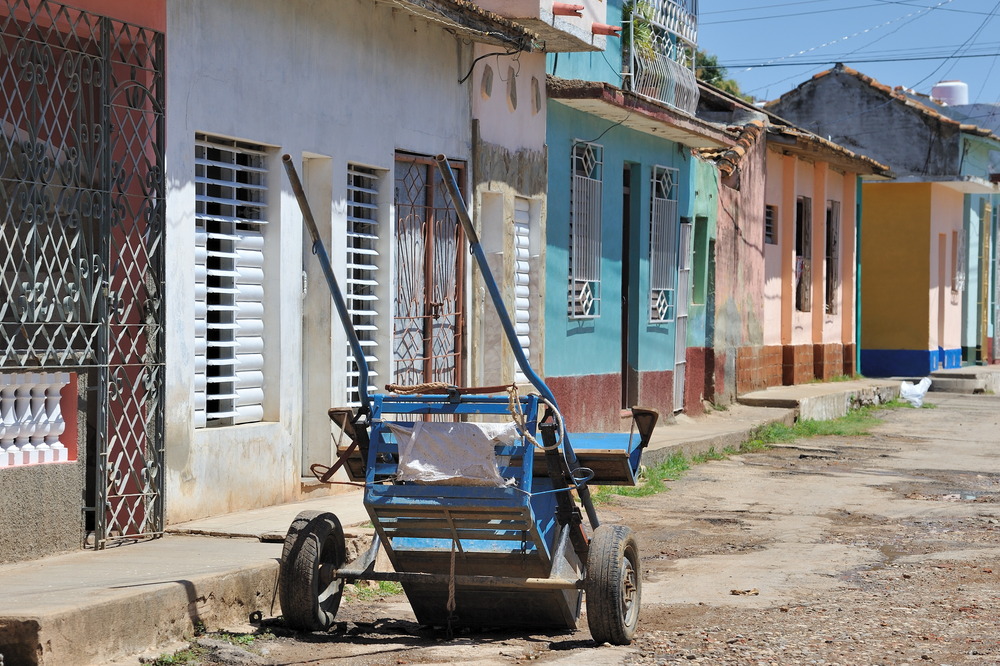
<point>338,297</point>
<point>508,326</point>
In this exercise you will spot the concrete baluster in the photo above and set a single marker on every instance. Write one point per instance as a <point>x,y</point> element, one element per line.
<point>40,417</point>
<point>9,427</point>
<point>27,416</point>
<point>22,414</point>
<point>57,423</point>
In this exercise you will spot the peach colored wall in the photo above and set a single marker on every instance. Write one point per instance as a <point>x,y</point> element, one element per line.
<point>848,256</point>
<point>772,253</point>
<point>788,178</point>
<point>788,173</point>
<point>802,322</point>
<point>831,327</point>
<point>946,220</point>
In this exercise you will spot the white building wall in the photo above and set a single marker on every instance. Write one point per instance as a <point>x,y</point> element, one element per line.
<point>335,82</point>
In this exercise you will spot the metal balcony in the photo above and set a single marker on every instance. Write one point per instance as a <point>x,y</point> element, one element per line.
<point>662,67</point>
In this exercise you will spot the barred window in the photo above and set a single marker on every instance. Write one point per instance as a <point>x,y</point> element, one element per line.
<point>832,255</point>
<point>663,224</point>
<point>803,254</point>
<point>585,231</point>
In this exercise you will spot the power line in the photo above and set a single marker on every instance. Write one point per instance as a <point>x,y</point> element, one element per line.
<point>752,9</point>
<point>849,60</point>
<point>883,3</point>
<point>774,16</point>
<point>971,39</point>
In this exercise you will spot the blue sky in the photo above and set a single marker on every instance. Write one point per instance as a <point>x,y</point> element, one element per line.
<point>807,36</point>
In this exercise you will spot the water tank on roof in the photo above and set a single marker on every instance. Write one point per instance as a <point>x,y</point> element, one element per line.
<point>951,93</point>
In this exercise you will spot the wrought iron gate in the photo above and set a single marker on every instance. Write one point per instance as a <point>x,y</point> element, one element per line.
<point>81,236</point>
<point>429,321</point>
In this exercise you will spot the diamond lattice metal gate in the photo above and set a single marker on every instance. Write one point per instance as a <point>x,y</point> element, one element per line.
<point>429,319</point>
<point>81,236</point>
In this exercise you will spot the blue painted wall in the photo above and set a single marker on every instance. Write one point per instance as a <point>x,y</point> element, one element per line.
<point>592,65</point>
<point>908,362</point>
<point>576,347</point>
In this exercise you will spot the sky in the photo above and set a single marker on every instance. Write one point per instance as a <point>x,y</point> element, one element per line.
<point>885,39</point>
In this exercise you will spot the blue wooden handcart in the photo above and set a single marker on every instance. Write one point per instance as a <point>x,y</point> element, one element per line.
<point>478,500</point>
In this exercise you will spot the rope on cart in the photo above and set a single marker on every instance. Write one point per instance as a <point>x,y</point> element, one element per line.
<point>450,606</point>
<point>519,418</point>
<point>429,387</point>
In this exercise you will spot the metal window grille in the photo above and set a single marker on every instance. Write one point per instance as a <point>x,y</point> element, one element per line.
<point>522,279</point>
<point>82,217</point>
<point>803,254</point>
<point>585,231</point>
<point>832,255</point>
<point>231,211</point>
<point>770,225</point>
<point>363,271</point>
<point>663,225</point>
<point>959,262</point>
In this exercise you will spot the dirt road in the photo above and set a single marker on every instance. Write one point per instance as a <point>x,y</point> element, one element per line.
<point>883,549</point>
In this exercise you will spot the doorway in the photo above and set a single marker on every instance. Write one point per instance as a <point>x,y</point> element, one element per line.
<point>629,373</point>
<point>429,318</point>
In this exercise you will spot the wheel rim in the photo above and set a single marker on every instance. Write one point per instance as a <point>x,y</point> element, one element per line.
<point>629,591</point>
<point>328,587</point>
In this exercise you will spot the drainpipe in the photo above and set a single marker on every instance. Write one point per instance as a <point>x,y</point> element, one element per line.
<point>857,278</point>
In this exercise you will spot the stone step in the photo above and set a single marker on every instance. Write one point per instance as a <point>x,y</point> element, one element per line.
<point>957,384</point>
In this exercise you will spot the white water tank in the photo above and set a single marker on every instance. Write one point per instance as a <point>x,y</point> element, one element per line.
<point>952,93</point>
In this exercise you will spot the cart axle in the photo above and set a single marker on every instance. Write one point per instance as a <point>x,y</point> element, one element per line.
<point>354,575</point>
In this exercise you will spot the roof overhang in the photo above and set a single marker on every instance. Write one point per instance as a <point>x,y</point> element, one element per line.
<point>563,35</point>
<point>963,184</point>
<point>807,145</point>
<point>638,113</point>
<point>468,20</point>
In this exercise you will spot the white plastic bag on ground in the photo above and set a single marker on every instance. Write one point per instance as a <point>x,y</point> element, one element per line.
<point>460,454</point>
<point>914,393</point>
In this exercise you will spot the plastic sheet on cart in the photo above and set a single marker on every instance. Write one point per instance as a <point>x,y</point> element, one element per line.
<point>461,454</point>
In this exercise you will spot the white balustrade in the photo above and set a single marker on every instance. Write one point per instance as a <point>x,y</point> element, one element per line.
<point>31,418</point>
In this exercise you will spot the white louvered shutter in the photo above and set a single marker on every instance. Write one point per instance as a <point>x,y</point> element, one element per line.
<point>231,209</point>
<point>362,272</point>
<point>522,279</point>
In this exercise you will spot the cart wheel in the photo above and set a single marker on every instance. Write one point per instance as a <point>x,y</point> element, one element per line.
<point>314,548</point>
<point>613,584</point>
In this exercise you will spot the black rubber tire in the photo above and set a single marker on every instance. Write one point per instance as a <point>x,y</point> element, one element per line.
<point>310,599</point>
<point>613,584</point>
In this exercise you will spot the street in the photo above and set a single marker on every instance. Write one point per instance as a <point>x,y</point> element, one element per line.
<point>882,549</point>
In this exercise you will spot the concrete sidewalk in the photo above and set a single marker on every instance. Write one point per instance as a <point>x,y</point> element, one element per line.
<point>93,607</point>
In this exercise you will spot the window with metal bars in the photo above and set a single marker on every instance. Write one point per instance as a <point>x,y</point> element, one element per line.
<point>832,255</point>
<point>231,211</point>
<point>663,225</point>
<point>363,271</point>
<point>803,254</point>
<point>770,225</point>
<point>585,230</point>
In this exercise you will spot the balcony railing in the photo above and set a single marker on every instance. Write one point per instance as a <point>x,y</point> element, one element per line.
<point>31,418</point>
<point>661,56</point>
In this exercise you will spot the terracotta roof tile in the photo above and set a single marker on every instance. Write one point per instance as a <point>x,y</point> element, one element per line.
<point>899,96</point>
